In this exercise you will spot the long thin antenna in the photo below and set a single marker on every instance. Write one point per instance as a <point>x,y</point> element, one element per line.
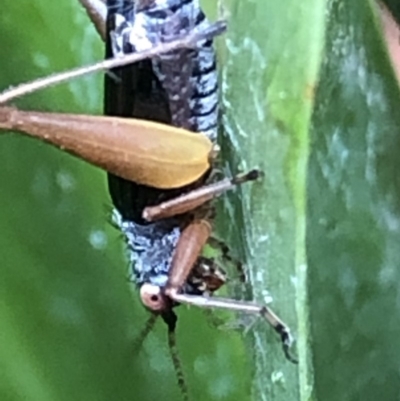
<point>189,41</point>
<point>148,327</point>
<point>177,364</point>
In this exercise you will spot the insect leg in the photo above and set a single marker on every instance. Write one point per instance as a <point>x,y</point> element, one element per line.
<point>118,145</point>
<point>173,349</point>
<point>138,342</point>
<point>197,197</point>
<point>240,306</point>
<point>226,255</point>
<point>188,249</point>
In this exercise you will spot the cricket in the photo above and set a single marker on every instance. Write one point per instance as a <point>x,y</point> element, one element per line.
<point>157,141</point>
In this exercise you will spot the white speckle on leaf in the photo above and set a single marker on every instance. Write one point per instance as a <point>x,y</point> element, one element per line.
<point>41,60</point>
<point>277,377</point>
<point>263,239</point>
<point>65,181</point>
<point>303,268</point>
<point>98,239</point>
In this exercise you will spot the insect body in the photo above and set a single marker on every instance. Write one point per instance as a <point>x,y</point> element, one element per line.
<point>162,211</point>
<point>178,88</point>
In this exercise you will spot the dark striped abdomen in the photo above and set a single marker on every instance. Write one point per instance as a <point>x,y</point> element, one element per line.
<point>189,77</point>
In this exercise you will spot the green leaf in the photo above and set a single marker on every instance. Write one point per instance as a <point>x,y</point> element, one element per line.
<point>353,221</point>
<point>322,237</point>
<point>273,52</point>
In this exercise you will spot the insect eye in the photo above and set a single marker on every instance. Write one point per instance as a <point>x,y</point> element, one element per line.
<point>152,297</point>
